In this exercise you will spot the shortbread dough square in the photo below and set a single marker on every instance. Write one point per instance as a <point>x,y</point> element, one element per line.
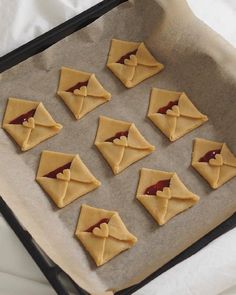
<point>81,91</point>
<point>173,113</point>
<point>28,122</point>
<point>131,62</point>
<point>120,143</point>
<point>64,177</point>
<point>163,194</point>
<point>103,233</point>
<point>214,161</point>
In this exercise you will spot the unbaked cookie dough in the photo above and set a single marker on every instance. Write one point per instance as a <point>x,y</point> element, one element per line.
<point>28,122</point>
<point>163,194</point>
<point>214,161</point>
<point>81,91</point>
<point>173,113</point>
<point>131,62</point>
<point>64,177</point>
<point>103,233</point>
<point>120,143</point>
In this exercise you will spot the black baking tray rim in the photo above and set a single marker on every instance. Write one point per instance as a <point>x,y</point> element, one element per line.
<point>52,272</point>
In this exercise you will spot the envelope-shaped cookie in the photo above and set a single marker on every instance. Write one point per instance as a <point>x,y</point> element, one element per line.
<point>163,194</point>
<point>120,143</point>
<point>28,122</point>
<point>103,233</point>
<point>214,161</point>
<point>81,91</point>
<point>64,177</point>
<point>131,62</point>
<point>173,113</point>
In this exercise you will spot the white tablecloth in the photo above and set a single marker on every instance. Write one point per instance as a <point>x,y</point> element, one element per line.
<point>212,271</point>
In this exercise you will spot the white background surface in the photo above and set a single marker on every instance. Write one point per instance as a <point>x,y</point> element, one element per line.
<point>212,271</point>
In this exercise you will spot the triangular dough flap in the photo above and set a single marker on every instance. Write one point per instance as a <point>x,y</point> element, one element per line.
<point>228,157</point>
<point>43,118</point>
<point>118,230</point>
<point>160,98</point>
<point>157,207</point>
<point>137,141</point>
<point>17,107</point>
<point>112,153</point>
<point>94,245</point>
<point>70,77</point>
<point>94,88</point>
<point>123,72</point>
<point>55,188</point>
<point>119,48</point>
<point>187,108</point>
<point>113,247</point>
<point>145,57</point>
<point>19,133</point>
<point>179,190</point>
<point>81,173</point>
<point>74,102</point>
<point>108,127</point>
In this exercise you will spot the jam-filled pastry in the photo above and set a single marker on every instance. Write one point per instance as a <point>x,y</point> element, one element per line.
<point>120,143</point>
<point>28,122</point>
<point>173,113</point>
<point>163,194</point>
<point>214,161</point>
<point>103,233</point>
<point>81,91</point>
<point>131,62</point>
<point>64,177</point>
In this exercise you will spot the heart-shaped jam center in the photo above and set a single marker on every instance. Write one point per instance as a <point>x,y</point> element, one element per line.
<point>217,161</point>
<point>24,117</point>
<point>82,91</point>
<point>30,123</point>
<point>126,56</point>
<point>122,141</point>
<point>159,186</point>
<point>102,231</point>
<point>174,112</point>
<point>53,174</point>
<point>103,220</point>
<point>164,194</point>
<point>209,155</point>
<point>117,135</point>
<point>77,86</point>
<point>167,107</point>
<point>64,175</point>
<point>132,61</point>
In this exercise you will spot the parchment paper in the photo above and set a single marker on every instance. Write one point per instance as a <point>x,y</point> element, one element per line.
<point>197,61</point>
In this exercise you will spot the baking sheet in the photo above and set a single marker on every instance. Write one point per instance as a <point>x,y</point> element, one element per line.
<point>198,62</point>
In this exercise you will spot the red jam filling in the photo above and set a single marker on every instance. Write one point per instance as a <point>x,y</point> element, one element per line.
<point>77,86</point>
<point>23,118</point>
<point>159,186</point>
<point>209,155</point>
<point>170,104</point>
<point>91,228</point>
<point>53,174</point>
<point>126,56</point>
<point>118,135</point>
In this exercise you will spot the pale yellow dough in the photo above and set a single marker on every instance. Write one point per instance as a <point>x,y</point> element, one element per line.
<point>135,69</point>
<point>85,99</point>
<point>36,129</point>
<point>124,151</point>
<point>106,240</point>
<point>167,203</point>
<point>217,171</point>
<point>178,120</point>
<point>68,185</point>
